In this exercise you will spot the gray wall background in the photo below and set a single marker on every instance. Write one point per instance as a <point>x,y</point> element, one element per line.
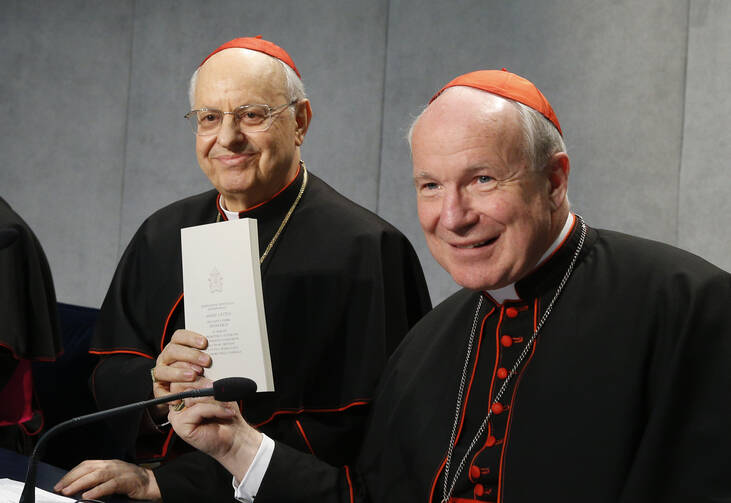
<point>93,93</point>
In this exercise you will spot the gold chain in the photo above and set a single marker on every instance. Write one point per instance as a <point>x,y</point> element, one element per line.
<point>286,217</point>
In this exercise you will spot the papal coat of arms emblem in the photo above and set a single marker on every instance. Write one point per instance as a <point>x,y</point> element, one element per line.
<point>215,281</point>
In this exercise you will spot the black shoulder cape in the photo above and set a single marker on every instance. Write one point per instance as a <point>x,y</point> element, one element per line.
<point>27,297</point>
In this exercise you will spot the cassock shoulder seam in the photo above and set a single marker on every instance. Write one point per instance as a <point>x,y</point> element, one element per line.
<point>116,351</point>
<point>302,410</point>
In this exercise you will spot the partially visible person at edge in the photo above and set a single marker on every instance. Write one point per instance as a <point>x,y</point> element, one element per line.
<point>576,365</point>
<point>341,288</point>
<point>30,329</point>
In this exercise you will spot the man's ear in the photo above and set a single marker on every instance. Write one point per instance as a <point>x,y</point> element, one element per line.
<point>303,116</point>
<point>557,170</point>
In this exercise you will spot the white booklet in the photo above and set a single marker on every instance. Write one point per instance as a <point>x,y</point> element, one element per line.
<point>223,299</point>
<point>10,491</point>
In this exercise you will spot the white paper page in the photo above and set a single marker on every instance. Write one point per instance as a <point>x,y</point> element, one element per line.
<point>10,491</point>
<point>223,299</point>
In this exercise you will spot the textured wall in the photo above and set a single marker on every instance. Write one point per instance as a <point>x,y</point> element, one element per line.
<point>704,206</point>
<point>63,97</point>
<point>94,94</point>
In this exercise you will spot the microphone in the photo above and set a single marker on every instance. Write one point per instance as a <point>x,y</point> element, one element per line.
<point>229,389</point>
<point>8,235</point>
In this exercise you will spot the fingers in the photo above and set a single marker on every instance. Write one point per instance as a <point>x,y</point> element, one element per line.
<point>97,475</point>
<point>198,423</point>
<point>103,477</point>
<point>196,412</point>
<point>178,353</point>
<point>73,476</point>
<point>189,338</point>
<point>182,360</point>
<point>187,346</point>
<point>200,381</point>
<point>103,489</point>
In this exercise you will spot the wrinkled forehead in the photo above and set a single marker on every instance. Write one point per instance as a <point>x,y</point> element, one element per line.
<point>464,128</point>
<point>243,71</point>
<point>460,111</point>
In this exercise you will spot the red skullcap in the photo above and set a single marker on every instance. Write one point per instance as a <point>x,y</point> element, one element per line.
<point>508,85</point>
<point>257,44</point>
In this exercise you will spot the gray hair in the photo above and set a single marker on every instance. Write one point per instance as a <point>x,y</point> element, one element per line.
<point>293,84</point>
<point>541,139</point>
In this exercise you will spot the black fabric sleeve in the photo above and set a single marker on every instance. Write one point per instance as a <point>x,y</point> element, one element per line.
<point>120,380</point>
<point>683,454</point>
<point>194,477</point>
<point>295,477</point>
<point>334,437</point>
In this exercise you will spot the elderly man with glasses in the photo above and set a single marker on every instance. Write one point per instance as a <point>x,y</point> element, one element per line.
<point>341,287</point>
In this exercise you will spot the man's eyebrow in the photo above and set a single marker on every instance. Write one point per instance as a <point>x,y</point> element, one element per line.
<point>479,167</point>
<point>422,175</point>
<point>467,171</point>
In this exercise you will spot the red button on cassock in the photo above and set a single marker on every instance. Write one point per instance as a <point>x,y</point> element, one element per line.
<point>490,441</point>
<point>479,490</point>
<point>511,312</point>
<point>502,373</point>
<point>506,341</point>
<point>497,408</point>
<point>474,472</point>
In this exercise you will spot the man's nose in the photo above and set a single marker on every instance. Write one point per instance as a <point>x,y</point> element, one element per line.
<point>230,132</point>
<point>457,213</point>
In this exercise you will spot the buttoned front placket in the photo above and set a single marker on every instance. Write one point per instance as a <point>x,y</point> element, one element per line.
<point>506,329</point>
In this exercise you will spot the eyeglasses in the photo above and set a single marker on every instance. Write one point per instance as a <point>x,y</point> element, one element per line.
<point>250,118</point>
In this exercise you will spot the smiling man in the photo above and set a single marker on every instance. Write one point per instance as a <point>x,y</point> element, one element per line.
<point>576,365</point>
<point>341,288</point>
<point>488,215</point>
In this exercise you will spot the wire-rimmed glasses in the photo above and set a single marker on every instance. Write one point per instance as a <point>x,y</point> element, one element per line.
<point>249,118</point>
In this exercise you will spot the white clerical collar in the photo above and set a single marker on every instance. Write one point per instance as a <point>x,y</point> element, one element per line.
<point>230,215</point>
<point>508,292</point>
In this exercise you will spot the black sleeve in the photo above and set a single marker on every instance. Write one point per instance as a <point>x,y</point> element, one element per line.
<point>295,477</point>
<point>684,451</point>
<point>119,380</point>
<point>194,477</point>
<point>333,437</point>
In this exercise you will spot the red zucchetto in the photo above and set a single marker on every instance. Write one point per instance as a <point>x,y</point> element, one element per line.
<point>257,44</point>
<point>508,85</point>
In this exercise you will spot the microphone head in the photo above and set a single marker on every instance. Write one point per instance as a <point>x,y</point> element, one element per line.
<point>232,389</point>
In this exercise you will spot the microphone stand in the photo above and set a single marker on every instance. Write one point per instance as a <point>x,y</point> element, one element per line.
<point>29,494</point>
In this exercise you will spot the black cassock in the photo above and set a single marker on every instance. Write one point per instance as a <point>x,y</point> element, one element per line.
<point>625,397</point>
<point>341,288</point>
